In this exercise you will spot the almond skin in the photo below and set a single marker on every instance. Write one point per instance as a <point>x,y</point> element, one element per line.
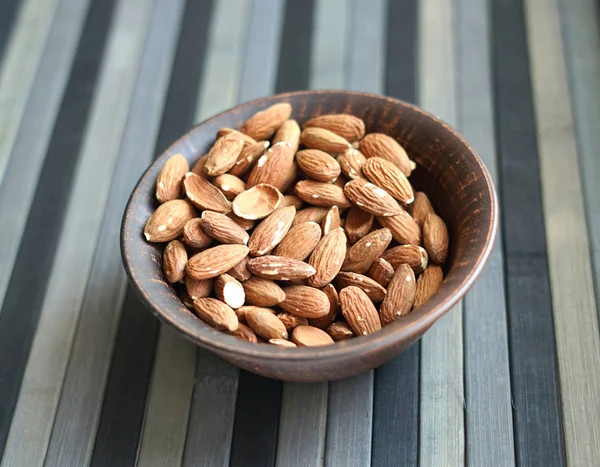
<point>279,268</point>
<point>265,324</point>
<point>229,291</point>
<point>358,224</point>
<point>249,155</point>
<point>291,321</point>
<point>400,295</point>
<point>331,221</point>
<point>380,145</point>
<point>304,301</point>
<point>240,271</point>
<point>223,155</point>
<point>321,194</point>
<point>230,185</point>
<point>204,195</point>
<point>193,234</point>
<point>381,272</point>
<point>324,321</point>
<point>291,200</point>
<point>216,313</point>
<point>351,162</point>
<point>262,125</point>
<point>245,333</point>
<point>362,254</point>
<point>257,202</point>
<point>269,233</point>
<point>388,176</point>
<point>174,261</point>
<point>300,241</point>
<point>327,258</point>
<point>222,228</point>
<point>243,310</point>
<point>318,165</point>
<point>235,134</point>
<point>339,331</point>
<point>427,284</point>
<point>359,312</point>
<point>273,166</point>
<point>246,224</point>
<point>435,238</point>
<point>374,291</point>
<point>403,227</point>
<point>347,126</point>
<point>282,343</point>
<point>311,214</point>
<point>308,336</point>
<point>290,178</point>
<point>168,221</point>
<point>420,207</point>
<point>215,261</point>
<point>325,140</point>
<point>168,183</point>
<point>413,255</point>
<point>198,288</point>
<point>289,132</point>
<point>263,292</point>
<point>371,198</point>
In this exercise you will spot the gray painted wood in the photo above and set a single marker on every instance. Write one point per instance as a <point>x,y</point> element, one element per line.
<point>42,383</point>
<point>489,424</point>
<point>442,437</point>
<point>575,315</point>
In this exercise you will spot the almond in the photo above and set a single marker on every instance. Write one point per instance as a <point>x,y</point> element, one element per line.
<point>341,181</point>
<point>263,124</point>
<point>304,301</point>
<point>264,323</point>
<point>269,233</point>
<point>257,202</point>
<point>193,234</point>
<point>168,221</point>
<point>362,254</point>
<point>223,155</point>
<point>279,268</point>
<point>174,261</point>
<point>215,261</point>
<point>300,241</point>
<point>400,295</point>
<point>241,312</point>
<point>222,228</point>
<point>374,291</point>
<point>291,200</point>
<point>359,311</point>
<point>236,135</point>
<point>216,313</point>
<point>229,291</point>
<point>204,195</point>
<point>168,183</point>
<point>347,126</point>
<point>198,288</point>
<point>351,162</point>
<point>289,132</point>
<point>321,194</point>
<point>388,176</point>
<point>245,333</point>
<point>435,238</point>
<point>311,214</point>
<point>331,221</point>
<point>249,155</point>
<point>308,336</point>
<point>381,272</point>
<point>427,284</point>
<point>186,299</point>
<point>291,321</point>
<point>403,227</point>
<point>240,271</point>
<point>339,331</point>
<point>358,224</point>
<point>230,185</point>
<point>246,224</point>
<point>325,140</point>
<point>273,166</point>
<point>380,145</point>
<point>420,208</point>
<point>324,321</point>
<point>282,343</point>
<point>318,165</point>
<point>198,168</point>
<point>413,255</point>
<point>371,198</point>
<point>290,178</point>
<point>263,292</point>
<point>327,258</point>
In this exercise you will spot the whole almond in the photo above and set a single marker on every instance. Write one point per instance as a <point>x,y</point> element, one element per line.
<point>331,221</point>
<point>289,132</point>
<point>249,155</point>
<point>351,162</point>
<point>216,313</point>
<point>168,221</point>
<point>198,288</point>
<point>279,268</point>
<point>282,343</point>
<point>380,145</point>
<point>235,134</point>
<point>204,195</point>
<point>245,333</point>
<point>230,185</point>
<point>229,291</point>
<point>311,214</point>
<point>269,233</point>
<point>420,208</point>
<point>263,292</point>
<point>321,194</point>
<point>215,261</point>
<point>309,336</point>
<point>362,254</point>
<point>223,155</point>
<point>358,311</point>
<point>339,331</point>
<point>240,271</point>
<point>324,321</point>
<point>174,261</point>
<point>290,178</point>
<point>388,176</point>
<point>358,224</point>
<point>413,255</point>
<point>371,198</point>
<point>194,236</point>
<point>325,140</point>
<point>304,301</point>
<point>403,227</point>
<point>435,238</point>
<point>347,126</point>
<point>374,290</point>
<point>291,200</point>
<point>272,167</point>
<point>341,181</point>
<point>381,272</point>
<point>427,284</point>
<point>327,258</point>
<point>168,183</point>
<point>264,323</point>
<point>291,321</point>
<point>198,168</point>
<point>246,224</point>
<point>222,228</point>
<point>257,202</point>
<point>263,124</point>
<point>318,165</point>
<point>300,241</point>
<point>400,295</point>
<point>241,312</point>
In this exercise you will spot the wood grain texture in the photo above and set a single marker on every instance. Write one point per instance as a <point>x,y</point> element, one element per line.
<point>489,424</point>
<point>441,432</point>
<point>575,315</point>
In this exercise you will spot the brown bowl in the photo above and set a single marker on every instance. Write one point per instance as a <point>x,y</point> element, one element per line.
<point>449,171</point>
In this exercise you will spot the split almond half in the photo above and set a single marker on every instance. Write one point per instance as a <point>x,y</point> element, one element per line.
<point>257,202</point>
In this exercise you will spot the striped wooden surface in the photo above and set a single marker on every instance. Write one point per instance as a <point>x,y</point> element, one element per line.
<point>92,90</point>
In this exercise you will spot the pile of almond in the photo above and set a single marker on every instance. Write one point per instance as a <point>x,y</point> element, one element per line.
<point>298,237</point>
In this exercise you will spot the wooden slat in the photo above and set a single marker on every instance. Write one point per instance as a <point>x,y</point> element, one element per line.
<point>442,437</point>
<point>489,424</point>
<point>575,316</point>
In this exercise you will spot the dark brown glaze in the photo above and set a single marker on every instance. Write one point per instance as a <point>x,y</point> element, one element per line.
<point>449,171</point>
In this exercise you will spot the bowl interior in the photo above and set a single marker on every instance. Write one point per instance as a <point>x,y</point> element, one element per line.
<point>448,171</point>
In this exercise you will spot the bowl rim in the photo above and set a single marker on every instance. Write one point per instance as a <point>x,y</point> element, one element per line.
<point>221,342</point>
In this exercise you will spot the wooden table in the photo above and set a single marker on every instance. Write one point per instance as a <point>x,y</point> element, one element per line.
<point>92,90</point>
